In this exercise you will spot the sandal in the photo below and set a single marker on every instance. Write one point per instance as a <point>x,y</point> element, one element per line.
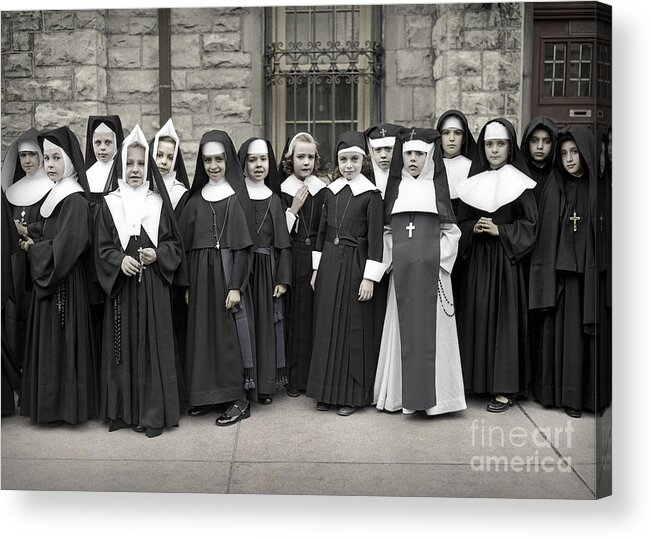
<point>496,406</point>
<point>237,411</point>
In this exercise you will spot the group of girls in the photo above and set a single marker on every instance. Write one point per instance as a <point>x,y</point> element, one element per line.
<point>404,278</point>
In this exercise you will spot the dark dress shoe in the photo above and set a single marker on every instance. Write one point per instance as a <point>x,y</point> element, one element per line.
<point>265,399</point>
<point>137,428</point>
<point>322,406</point>
<point>152,433</point>
<point>293,392</point>
<point>347,410</point>
<point>204,409</point>
<point>238,410</point>
<point>57,423</point>
<point>496,406</point>
<point>573,412</point>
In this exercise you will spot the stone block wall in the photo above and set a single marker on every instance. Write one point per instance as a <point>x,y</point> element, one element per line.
<point>443,56</point>
<point>60,67</point>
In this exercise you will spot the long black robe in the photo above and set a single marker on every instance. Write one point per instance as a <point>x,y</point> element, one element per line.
<point>214,369</point>
<point>10,368</point>
<point>272,240</point>
<point>563,286</point>
<point>60,369</point>
<point>344,359</point>
<point>493,315</point>
<point>17,309</point>
<point>299,302</point>
<point>139,381</point>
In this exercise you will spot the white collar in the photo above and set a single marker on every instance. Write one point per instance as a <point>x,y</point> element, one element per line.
<point>61,190</point>
<point>29,189</point>
<point>133,208</point>
<point>415,195</point>
<point>492,189</point>
<point>97,175</point>
<point>175,188</point>
<point>456,169</point>
<point>257,190</point>
<point>381,177</point>
<point>358,185</point>
<point>293,184</point>
<point>216,191</point>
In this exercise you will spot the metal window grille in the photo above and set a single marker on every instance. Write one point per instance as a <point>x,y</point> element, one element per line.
<point>321,67</point>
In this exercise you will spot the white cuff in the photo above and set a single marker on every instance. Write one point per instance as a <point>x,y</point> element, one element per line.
<point>374,270</point>
<point>316,259</point>
<point>291,220</point>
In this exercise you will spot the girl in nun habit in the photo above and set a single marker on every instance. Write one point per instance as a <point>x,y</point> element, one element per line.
<point>138,250</point>
<point>60,371</point>
<point>419,366</point>
<point>347,261</point>
<point>216,224</point>
<point>539,149</point>
<point>301,193</point>
<point>271,271</point>
<point>563,282</point>
<point>459,149</point>
<point>104,138</point>
<point>166,151</point>
<point>26,185</point>
<point>380,141</point>
<point>497,216</point>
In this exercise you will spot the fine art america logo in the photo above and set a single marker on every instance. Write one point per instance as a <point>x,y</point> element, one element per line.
<point>517,449</point>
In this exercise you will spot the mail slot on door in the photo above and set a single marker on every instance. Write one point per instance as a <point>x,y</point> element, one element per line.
<point>580,113</point>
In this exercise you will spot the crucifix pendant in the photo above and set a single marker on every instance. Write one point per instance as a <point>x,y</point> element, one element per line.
<point>410,227</point>
<point>336,242</point>
<point>574,219</point>
<point>217,246</point>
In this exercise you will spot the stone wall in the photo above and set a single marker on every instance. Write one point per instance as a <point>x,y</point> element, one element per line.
<point>462,56</point>
<point>60,67</point>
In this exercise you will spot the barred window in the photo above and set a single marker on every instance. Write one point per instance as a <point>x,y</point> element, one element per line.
<point>322,70</point>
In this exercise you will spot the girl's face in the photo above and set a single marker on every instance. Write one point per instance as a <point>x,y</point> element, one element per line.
<point>257,166</point>
<point>383,157</point>
<point>571,158</point>
<point>497,152</point>
<point>215,166</point>
<point>28,161</point>
<point>451,139</point>
<point>104,146</point>
<point>540,145</point>
<point>303,159</point>
<point>414,162</point>
<point>350,164</point>
<point>54,164</point>
<point>165,156</point>
<point>135,166</point>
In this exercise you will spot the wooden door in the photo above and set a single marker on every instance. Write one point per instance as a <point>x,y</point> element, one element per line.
<point>572,63</point>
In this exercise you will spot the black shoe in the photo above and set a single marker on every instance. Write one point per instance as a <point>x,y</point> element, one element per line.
<point>137,428</point>
<point>116,424</point>
<point>347,410</point>
<point>322,406</point>
<point>57,423</point>
<point>238,410</point>
<point>496,406</point>
<point>573,412</point>
<point>204,409</point>
<point>293,392</point>
<point>152,433</point>
<point>265,399</point>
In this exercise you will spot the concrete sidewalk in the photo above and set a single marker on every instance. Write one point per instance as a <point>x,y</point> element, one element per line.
<point>290,448</point>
